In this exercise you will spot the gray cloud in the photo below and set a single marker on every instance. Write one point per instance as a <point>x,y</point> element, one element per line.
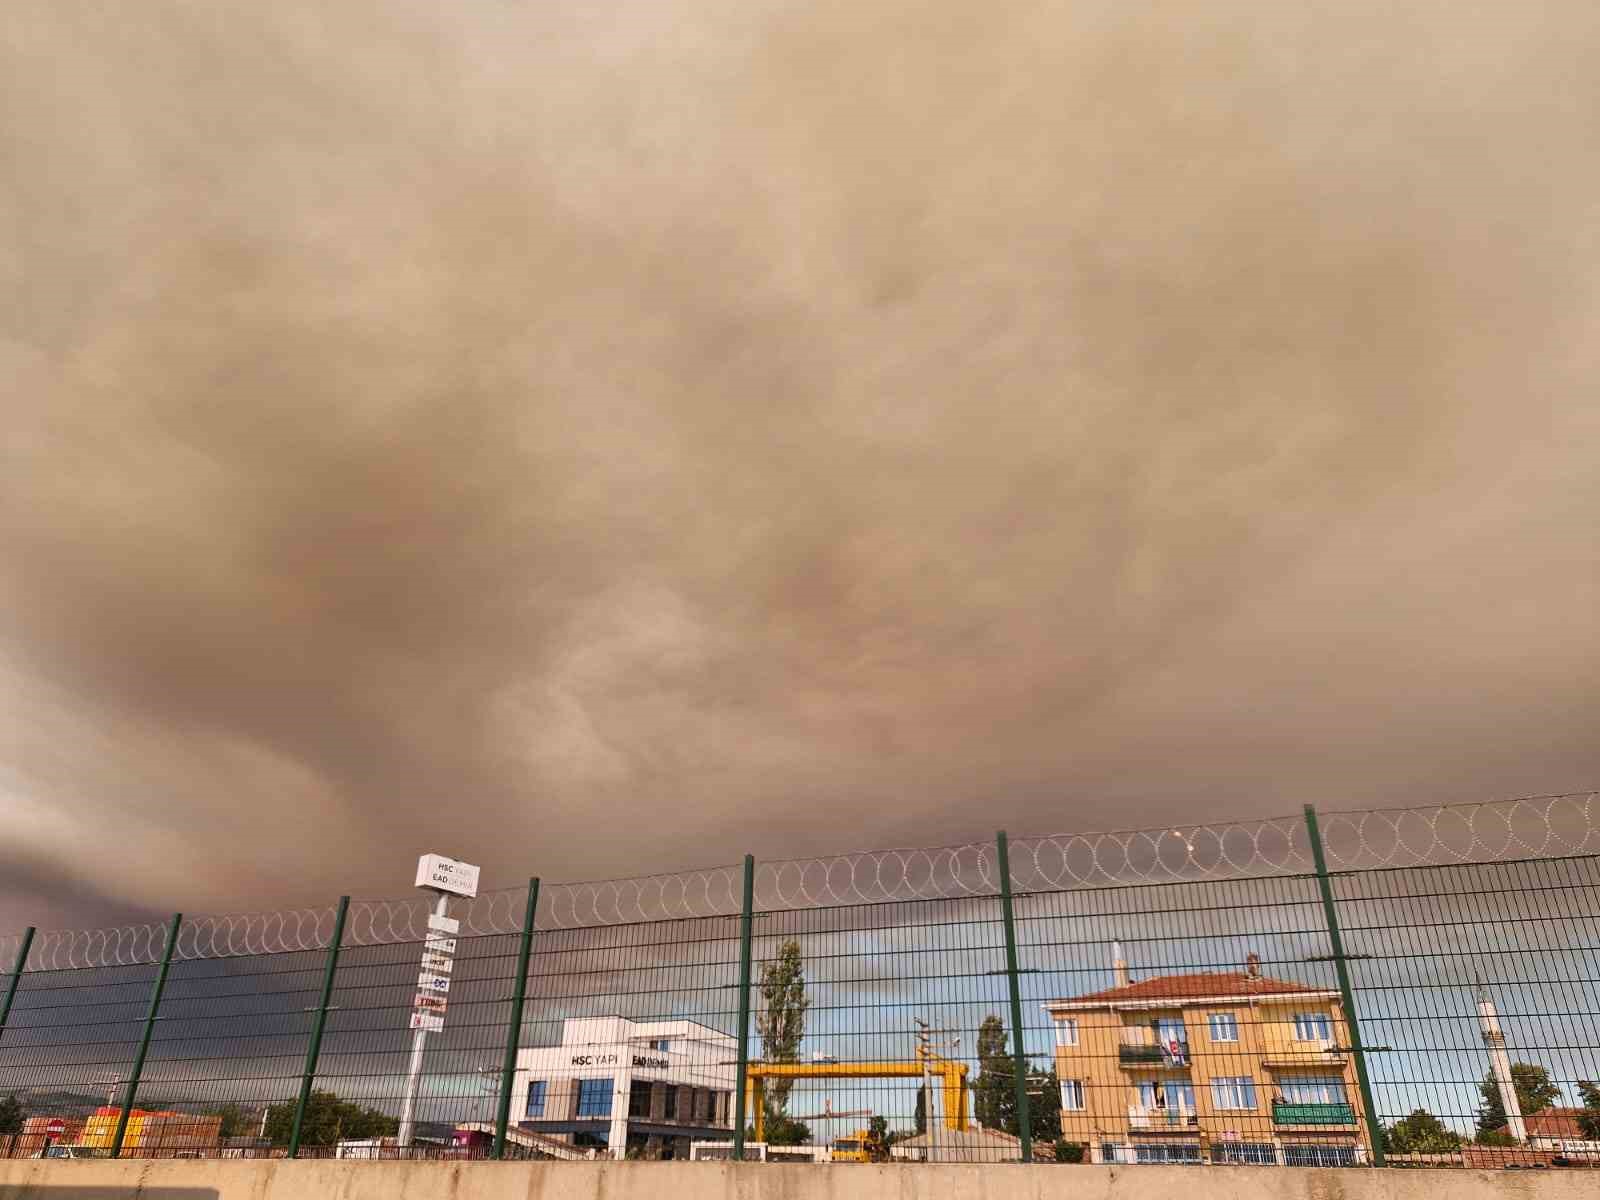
<point>597,441</point>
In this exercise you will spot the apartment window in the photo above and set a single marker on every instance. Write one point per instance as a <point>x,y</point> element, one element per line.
<point>536,1091</point>
<point>1072,1094</point>
<point>1318,1154</point>
<point>1246,1154</point>
<point>1312,1089</point>
<point>661,1044</point>
<point>1186,1153</point>
<point>1313,1027</point>
<point>1233,1092</point>
<point>1170,1029</point>
<point>1066,1031</point>
<point>1166,1093</point>
<point>1224,1027</point>
<point>594,1097</point>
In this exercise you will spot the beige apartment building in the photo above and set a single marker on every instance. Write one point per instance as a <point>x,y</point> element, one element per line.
<point>1222,1067</point>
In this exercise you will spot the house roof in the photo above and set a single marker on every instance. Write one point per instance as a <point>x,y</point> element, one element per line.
<point>1554,1123</point>
<point>1207,985</point>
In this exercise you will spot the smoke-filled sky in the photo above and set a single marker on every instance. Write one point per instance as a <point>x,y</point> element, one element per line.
<point>606,438</point>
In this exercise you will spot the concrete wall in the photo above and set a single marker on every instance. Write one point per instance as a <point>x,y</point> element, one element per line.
<point>188,1180</point>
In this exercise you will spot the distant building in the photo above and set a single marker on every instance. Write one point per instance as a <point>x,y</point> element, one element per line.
<point>152,1134</point>
<point>1224,1067</point>
<point>972,1145</point>
<point>42,1131</point>
<point>616,1085</point>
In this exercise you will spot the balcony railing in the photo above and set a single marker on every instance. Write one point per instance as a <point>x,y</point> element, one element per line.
<point>1313,1114</point>
<point>1178,1117</point>
<point>1140,1047</point>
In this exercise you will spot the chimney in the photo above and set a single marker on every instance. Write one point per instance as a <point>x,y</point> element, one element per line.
<point>1119,965</point>
<point>1252,965</point>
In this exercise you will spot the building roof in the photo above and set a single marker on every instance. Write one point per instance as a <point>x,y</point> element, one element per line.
<point>1559,1123</point>
<point>1206,985</point>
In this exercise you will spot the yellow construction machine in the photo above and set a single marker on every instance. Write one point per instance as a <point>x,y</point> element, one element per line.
<point>952,1076</point>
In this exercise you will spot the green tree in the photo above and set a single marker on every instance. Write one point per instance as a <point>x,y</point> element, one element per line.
<point>879,1139</point>
<point>328,1120</point>
<point>1535,1092</point>
<point>1044,1105</point>
<point>1420,1133</point>
<point>1589,1114</point>
<point>1069,1152</point>
<point>233,1121</point>
<point>11,1115</point>
<point>782,1130</point>
<point>994,1100</point>
<point>782,1020</point>
<point>919,1117</point>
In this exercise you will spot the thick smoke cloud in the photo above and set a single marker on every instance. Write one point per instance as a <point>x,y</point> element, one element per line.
<point>602,439</point>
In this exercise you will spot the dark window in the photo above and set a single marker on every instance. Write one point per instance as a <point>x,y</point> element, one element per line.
<point>536,1098</point>
<point>639,1098</point>
<point>1314,1154</point>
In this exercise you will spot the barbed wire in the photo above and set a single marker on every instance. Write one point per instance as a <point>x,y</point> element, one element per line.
<point>1436,835</point>
<point>877,877</point>
<point>1178,854</point>
<point>1553,826</point>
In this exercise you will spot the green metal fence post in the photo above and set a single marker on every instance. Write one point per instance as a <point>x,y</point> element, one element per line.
<point>1346,996</point>
<point>315,1048</point>
<point>744,1006</point>
<point>519,995</point>
<point>144,1042</point>
<point>1019,1057</point>
<point>16,976</point>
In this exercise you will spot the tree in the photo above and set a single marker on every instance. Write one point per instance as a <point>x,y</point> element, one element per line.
<point>1589,1114</point>
<point>11,1115</point>
<point>1044,1105</point>
<point>920,1116</point>
<point>328,1120</point>
<point>781,1130</point>
<point>1069,1152</point>
<point>994,1100</point>
<point>1420,1133</point>
<point>879,1139</point>
<point>1535,1093</point>
<point>782,1020</point>
<point>233,1121</point>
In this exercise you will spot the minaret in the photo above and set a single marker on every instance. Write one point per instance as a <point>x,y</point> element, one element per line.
<point>1500,1063</point>
<point>1119,965</point>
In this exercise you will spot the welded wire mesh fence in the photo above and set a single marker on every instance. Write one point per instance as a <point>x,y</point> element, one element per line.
<point>1402,988</point>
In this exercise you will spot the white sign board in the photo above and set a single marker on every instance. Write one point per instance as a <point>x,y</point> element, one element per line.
<point>429,982</point>
<point>443,874</point>
<point>431,1004</point>
<point>427,1022</point>
<point>439,945</point>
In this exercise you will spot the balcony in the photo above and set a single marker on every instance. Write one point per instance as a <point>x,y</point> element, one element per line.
<point>1301,1054</point>
<point>1140,1048</point>
<point>1313,1114</point>
<point>1151,1120</point>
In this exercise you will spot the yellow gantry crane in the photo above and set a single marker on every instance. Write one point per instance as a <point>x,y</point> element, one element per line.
<point>952,1074</point>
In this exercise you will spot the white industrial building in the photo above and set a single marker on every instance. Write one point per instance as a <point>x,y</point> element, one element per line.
<point>620,1084</point>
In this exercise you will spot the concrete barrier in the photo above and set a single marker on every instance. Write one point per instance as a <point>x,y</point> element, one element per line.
<point>280,1180</point>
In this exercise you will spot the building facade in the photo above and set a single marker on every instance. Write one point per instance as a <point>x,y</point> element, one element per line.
<point>615,1084</point>
<point>1222,1067</point>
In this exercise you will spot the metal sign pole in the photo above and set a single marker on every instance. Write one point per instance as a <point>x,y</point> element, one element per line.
<point>419,1043</point>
